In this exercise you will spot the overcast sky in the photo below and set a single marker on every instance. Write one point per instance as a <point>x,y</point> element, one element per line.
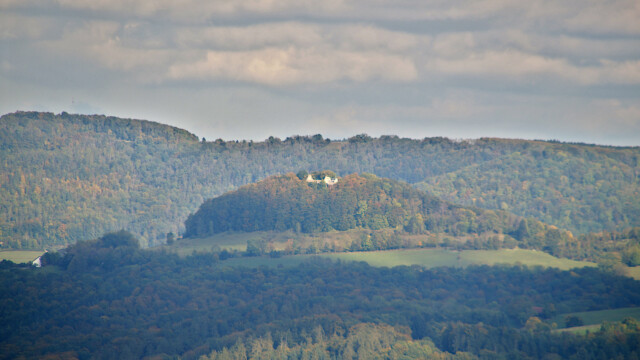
<point>538,69</point>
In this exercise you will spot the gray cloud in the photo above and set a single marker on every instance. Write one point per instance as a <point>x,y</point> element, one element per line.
<point>412,67</point>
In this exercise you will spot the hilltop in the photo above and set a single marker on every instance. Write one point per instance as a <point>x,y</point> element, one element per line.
<point>65,178</point>
<point>377,205</point>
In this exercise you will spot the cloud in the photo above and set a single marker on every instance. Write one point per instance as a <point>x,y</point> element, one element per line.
<point>351,36</point>
<point>517,57</point>
<point>19,27</point>
<point>250,37</point>
<point>606,17</point>
<point>371,64</point>
<point>274,66</point>
<point>291,53</point>
<point>591,16</point>
<point>295,53</point>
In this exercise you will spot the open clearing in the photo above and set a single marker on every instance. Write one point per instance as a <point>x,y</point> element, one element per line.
<point>424,257</point>
<point>441,257</point>
<point>20,256</point>
<point>580,330</point>
<point>634,272</point>
<point>238,240</point>
<point>428,257</point>
<point>600,316</point>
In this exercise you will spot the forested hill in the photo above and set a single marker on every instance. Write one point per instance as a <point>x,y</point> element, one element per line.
<point>289,202</point>
<point>69,177</point>
<point>108,299</point>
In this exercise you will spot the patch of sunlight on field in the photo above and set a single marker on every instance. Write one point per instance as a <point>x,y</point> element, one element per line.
<point>634,272</point>
<point>20,256</point>
<point>580,330</point>
<point>441,257</point>
<point>522,256</point>
<point>600,316</point>
<point>228,241</point>
<point>424,257</point>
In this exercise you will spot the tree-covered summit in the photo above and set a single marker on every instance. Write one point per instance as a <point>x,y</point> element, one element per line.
<point>65,177</point>
<point>291,202</point>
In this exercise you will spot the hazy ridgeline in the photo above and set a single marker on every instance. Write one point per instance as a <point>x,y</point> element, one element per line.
<point>71,177</point>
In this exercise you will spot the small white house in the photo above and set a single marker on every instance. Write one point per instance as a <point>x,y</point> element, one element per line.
<point>330,181</point>
<point>37,262</point>
<point>327,180</point>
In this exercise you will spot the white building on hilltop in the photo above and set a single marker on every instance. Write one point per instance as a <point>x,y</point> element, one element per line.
<point>327,180</point>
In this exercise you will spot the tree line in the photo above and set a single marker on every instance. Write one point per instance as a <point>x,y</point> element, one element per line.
<point>74,177</point>
<point>108,298</point>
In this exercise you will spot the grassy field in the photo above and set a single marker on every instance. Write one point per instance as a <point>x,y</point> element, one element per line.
<point>20,256</point>
<point>425,257</point>
<point>580,330</point>
<point>598,317</point>
<point>634,272</point>
<point>430,257</point>
<point>238,240</point>
<point>229,241</point>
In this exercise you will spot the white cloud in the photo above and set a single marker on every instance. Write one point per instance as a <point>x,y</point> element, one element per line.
<point>198,11</point>
<point>298,34</point>
<point>18,27</point>
<point>602,17</point>
<point>275,66</point>
<point>588,16</point>
<point>466,54</point>
<point>250,37</point>
<point>357,62</point>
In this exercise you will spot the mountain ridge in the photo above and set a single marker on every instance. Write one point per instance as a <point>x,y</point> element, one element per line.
<point>290,202</point>
<point>65,178</point>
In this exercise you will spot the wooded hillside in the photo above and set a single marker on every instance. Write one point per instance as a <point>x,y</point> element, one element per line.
<point>289,202</point>
<point>107,298</point>
<point>65,177</point>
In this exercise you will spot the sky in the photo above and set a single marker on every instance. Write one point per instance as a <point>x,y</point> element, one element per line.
<point>541,69</point>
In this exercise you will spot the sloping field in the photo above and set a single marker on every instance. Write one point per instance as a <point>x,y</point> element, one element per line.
<point>581,330</point>
<point>20,256</point>
<point>525,257</point>
<point>634,272</point>
<point>600,316</point>
<point>238,240</point>
<point>425,257</point>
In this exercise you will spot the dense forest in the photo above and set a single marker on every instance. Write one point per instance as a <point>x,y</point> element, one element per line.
<point>109,299</point>
<point>65,178</point>
<point>289,202</point>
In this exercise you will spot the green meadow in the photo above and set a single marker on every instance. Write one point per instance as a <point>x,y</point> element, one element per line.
<point>20,256</point>
<point>425,257</point>
<point>428,257</point>
<point>580,330</point>
<point>598,317</point>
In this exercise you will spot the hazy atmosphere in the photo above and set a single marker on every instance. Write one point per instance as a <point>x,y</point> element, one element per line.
<point>565,70</point>
<point>337,179</point>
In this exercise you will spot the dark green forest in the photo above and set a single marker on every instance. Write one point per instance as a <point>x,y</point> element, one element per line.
<point>109,299</point>
<point>65,177</point>
<point>357,201</point>
<point>68,181</point>
<point>289,202</point>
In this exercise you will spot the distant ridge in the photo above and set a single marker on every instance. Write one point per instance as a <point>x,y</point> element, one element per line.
<point>69,177</point>
<point>291,203</point>
<point>127,129</point>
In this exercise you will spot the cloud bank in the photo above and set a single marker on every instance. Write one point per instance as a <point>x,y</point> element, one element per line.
<point>416,68</point>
